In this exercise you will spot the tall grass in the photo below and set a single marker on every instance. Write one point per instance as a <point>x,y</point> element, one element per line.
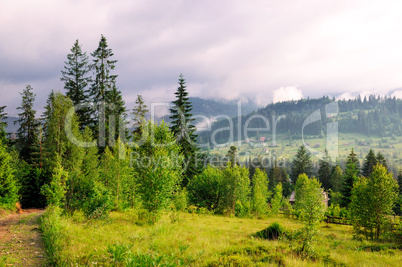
<point>200,240</point>
<point>54,236</point>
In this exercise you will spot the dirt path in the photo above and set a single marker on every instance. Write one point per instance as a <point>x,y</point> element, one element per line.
<point>20,240</point>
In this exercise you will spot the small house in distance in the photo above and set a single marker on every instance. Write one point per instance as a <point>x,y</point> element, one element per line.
<point>292,198</point>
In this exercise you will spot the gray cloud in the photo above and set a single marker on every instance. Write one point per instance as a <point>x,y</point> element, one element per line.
<point>226,49</point>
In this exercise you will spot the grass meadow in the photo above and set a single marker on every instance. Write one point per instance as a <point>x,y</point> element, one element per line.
<point>192,239</point>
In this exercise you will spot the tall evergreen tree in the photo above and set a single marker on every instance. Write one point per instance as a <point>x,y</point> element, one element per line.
<point>27,134</point>
<point>301,164</point>
<point>325,171</point>
<point>105,96</point>
<point>369,163</point>
<point>139,111</point>
<point>76,79</point>
<point>352,158</point>
<point>3,124</point>
<point>277,175</point>
<point>116,112</point>
<point>183,130</point>
<point>381,160</point>
<point>232,154</point>
<point>351,174</point>
<point>336,179</point>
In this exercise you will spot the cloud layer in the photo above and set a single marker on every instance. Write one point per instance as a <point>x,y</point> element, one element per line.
<point>226,49</point>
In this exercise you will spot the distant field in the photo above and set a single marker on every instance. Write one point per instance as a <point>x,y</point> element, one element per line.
<point>208,240</point>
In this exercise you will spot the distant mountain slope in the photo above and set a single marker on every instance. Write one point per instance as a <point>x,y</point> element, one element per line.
<point>372,116</point>
<point>211,108</point>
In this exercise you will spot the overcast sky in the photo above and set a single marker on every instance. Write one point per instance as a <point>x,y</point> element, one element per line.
<point>259,50</point>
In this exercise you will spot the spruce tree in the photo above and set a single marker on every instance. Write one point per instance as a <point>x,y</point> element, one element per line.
<point>325,171</point>
<point>369,163</point>
<point>231,155</point>
<point>116,113</point>
<point>277,175</point>
<point>139,111</point>
<point>381,160</point>
<point>27,134</point>
<point>3,124</point>
<point>106,98</point>
<point>301,164</point>
<point>336,179</point>
<point>352,172</point>
<point>183,130</point>
<point>76,79</point>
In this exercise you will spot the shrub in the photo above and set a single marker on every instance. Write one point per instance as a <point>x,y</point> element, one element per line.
<point>273,232</point>
<point>180,200</point>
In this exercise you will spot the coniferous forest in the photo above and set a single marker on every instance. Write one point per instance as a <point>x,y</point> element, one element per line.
<point>121,189</point>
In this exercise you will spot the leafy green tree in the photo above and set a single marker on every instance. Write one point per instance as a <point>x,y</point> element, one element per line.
<point>76,80</point>
<point>207,189</point>
<point>237,193</point>
<point>158,166</point>
<point>369,163</point>
<point>398,206</point>
<point>58,144</point>
<point>259,193</point>
<point>8,182</point>
<point>310,207</point>
<point>116,174</point>
<point>372,201</point>
<point>55,191</point>
<point>301,164</point>
<point>325,171</point>
<point>276,201</point>
<point>184,130</point>
<point>139,111</point>
<point>81,186</point>
<point>27,134</point>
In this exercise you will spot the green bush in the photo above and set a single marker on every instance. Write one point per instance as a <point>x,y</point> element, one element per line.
<point>180,200</point>
<point>98,204</point>
<point>273,232</point>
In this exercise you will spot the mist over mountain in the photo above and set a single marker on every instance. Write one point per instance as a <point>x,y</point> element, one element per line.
<point>208,108</point>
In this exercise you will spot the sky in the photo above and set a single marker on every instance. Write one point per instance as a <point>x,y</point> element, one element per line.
<point>262,51</point>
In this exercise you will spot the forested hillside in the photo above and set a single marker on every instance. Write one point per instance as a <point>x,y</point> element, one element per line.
<point>372,116</point>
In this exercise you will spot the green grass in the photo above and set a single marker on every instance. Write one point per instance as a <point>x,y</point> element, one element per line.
<point>207,240</point>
